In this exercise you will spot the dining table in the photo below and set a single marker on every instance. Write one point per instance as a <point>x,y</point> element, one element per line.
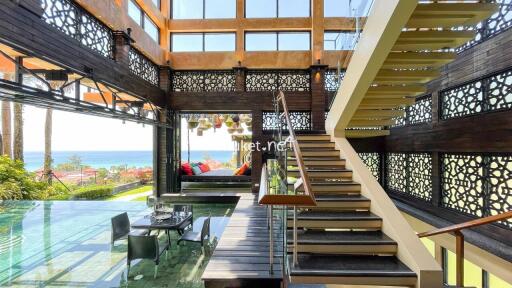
<point>166,220</point>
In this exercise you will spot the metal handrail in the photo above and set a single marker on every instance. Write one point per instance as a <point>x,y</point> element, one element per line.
<point>304,199</point>
<point>459,239</point>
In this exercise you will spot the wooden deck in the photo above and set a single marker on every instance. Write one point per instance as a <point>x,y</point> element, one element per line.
<point>241,257</point>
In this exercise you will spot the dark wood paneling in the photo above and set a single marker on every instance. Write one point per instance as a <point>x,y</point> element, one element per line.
<point>24,31</point>
<point>235,101</point>
<point>373,144</point>
<point>488,132</point>
<point>485,132</point>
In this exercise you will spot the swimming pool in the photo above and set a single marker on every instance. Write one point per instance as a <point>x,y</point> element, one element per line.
<point>67,244</point>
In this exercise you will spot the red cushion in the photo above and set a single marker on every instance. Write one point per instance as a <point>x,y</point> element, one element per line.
<point>203,167</point>
<point>243,169</point>
<point>187,169</point>
<point>207,167</point>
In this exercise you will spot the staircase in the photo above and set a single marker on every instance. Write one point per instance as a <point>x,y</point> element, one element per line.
<point>339,241</point>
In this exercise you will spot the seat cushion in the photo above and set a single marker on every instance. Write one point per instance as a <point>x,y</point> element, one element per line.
<point>139,232</point>
<point>191,236</point>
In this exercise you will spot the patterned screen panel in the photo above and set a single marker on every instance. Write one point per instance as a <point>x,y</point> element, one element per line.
<point>301,121</point>
<point>293,80</point>
<point>141,66</point>
<point>420,112</point>
<point>410,174</point>
<point>500,186</point>
<point>203,81</point>
<point>488,94</point>
<point>462,183</point>
<point>462,101</point>
<point>477,184</point>
<point>497,23</point>
<point>333,79</point>
<point>75,22</point>
<point>372,161</point>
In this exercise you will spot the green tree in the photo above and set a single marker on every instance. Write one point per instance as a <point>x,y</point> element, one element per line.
<point>18,184</point>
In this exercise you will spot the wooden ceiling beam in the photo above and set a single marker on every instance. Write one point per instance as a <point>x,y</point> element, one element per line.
<point>448,15</point>
<point>371,123</point>
<point>432,40</point>
<point>414,60</point>
<point>362,114</point>
<point>407,90</point>
<point>389,76</point>
<point>365,133</point>
<point>386,103</point>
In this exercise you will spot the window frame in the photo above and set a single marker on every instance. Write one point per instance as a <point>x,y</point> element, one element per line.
<point>277,12</point>
<point>203,42</point>
<point>277,40</point>
<point>203,12</point>
<point>339,32</point>
<point>143,16</point>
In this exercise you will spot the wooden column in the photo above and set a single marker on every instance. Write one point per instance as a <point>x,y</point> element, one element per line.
<point>160,157</point>
<point>240,74</point>
<point>318,95</point>
<point>165,79</point>
<point>257,157</point>
<point>122,42</point>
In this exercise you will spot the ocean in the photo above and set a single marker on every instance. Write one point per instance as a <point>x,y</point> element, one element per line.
<point>107,159</point>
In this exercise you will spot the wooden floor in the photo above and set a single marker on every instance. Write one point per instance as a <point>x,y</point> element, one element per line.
<point>241,257</point>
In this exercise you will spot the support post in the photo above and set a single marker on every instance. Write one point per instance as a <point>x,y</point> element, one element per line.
<point>318,97</point>
<point>122,42</point>
<point>459,254</point>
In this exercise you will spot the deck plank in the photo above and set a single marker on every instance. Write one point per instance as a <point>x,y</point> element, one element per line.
<point>243,250</point>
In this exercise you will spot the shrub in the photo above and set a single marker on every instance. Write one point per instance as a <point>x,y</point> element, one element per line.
<point>18,184</point>
<point>93,192</point>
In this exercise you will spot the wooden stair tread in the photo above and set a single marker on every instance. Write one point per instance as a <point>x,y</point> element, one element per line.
<point>348,265</point>
<point>340,198</point>
<point>335,216</point>
<point>322,169</point>
<point>322,237</point>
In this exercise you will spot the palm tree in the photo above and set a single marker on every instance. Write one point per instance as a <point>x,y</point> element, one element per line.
<point>6,128</point>
<point>47,168</point>
<point>18,132</point>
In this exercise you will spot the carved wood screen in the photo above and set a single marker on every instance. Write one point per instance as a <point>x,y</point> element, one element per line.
<point>410,174</point>
<point>273,80</point>
<point>141,66</point>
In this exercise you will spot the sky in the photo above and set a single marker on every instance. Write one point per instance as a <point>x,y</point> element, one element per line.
<point>79,132</point>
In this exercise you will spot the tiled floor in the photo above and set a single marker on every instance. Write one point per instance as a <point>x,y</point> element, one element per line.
<point>67,244</point>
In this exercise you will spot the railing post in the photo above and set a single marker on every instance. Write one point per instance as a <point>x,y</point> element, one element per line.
<point>459,254</point>
<point>271,236</point>
<point>295,248</point>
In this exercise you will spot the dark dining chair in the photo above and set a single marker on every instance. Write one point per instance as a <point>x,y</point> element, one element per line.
<point>145,247</point>
<point>187,224</point>
<point>121,227</point>
<point>198,237</point>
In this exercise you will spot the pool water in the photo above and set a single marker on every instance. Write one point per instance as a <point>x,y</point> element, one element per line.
<point>67,244</point>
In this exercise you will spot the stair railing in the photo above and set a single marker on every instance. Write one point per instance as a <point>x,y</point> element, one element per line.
<point>272,196</point>
<point>459,239</point>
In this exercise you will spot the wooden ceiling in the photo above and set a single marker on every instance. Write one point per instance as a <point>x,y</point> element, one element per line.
<point>421,49</point>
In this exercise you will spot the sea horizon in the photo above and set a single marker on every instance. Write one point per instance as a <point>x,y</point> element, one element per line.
<point>106,159</point>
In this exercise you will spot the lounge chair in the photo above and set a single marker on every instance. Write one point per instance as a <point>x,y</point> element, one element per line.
<point>145,247</point>
<point>198,237</point>
<point>121,228</point>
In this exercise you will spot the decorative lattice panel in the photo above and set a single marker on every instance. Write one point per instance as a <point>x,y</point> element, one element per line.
<point>497,23</point>
<point>75,22</point>
<point>420,112</point>
<point>410,174</point>
<point>499,93</point>
<point>419,177</point>
<point>500,186</point>
<point>462,101</point>
<point>462,183</point>
<point>332,80</point>
<point>301,121</point>
<point>396,172</point>
<point>294,80</point>
<point>141,66</point>
<point>372,161</point>
<point>487,94</point>
<point>203,81</point>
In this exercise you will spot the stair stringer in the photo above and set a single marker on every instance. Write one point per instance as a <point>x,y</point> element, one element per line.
<point>411,250</point>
